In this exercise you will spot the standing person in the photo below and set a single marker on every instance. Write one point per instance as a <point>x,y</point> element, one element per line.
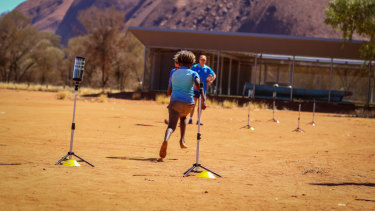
<point>182,100</point>
<point>207,76</point>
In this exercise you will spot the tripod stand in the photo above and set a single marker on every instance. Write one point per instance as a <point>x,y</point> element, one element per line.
<point>313,121</point>
<point>299,130</point>
<point>196,165</point>
<point>273,108</point>
<point>248,113</point>
<point>71,153</point>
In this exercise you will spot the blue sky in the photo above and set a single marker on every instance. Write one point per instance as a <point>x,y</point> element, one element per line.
<point>9,5</point>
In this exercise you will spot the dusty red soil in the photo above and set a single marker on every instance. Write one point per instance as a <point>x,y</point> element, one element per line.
<point>330,166</point>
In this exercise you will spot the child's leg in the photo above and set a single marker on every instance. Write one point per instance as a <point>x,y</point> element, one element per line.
<point>173,119</point>
<point>182,130</point>
<point>192,111</point>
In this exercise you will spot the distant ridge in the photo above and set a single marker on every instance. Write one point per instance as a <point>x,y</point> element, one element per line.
<point>45,14</point>
<point>286,17</point>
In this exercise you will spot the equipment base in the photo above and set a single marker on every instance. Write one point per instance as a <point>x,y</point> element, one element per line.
<point>195,165</point>
<point>72,153</point>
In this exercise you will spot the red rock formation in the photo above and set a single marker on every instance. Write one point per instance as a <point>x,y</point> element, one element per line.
<point>288,17</point>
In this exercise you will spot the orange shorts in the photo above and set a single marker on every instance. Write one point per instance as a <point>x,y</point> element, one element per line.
<point>182,108</point>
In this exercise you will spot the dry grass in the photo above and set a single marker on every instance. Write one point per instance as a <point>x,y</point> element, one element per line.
<point>52,88</point>
<point>162,98</point>
<point>63,93</point>
<point>363,113</point>
<point>213,103</point>
<point>256,106</point>
<point>102,98</point>
<point>230,104</point>
<point>32,87</point>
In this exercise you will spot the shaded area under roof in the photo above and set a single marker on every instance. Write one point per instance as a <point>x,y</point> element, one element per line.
<point>247,43</point>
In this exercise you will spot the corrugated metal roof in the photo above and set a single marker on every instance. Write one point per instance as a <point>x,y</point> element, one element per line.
<point>247,42</point>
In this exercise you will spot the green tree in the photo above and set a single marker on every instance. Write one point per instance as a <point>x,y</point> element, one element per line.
<point>103,40</point>
<point>17,39</point>
<point>354,16</point>
<point>48,60</point>
<point>129,62</point>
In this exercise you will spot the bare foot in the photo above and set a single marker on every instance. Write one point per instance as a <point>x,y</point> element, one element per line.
<point>160,160</point>
<point>163,149</point>
<point>183,145</point>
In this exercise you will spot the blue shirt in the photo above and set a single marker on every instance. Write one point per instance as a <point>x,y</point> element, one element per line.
<point>170,77</point>
<point>183,85</point>
<point>203,73</point>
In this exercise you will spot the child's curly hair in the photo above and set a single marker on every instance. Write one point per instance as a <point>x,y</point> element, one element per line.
<point>185,58</point>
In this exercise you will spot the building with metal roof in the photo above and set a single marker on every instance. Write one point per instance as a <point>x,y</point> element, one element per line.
<point>260,59</point>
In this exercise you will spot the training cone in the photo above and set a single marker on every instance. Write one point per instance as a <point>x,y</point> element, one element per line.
<point>206,174</point>
<point>250,128</point>
<point>71,163</point>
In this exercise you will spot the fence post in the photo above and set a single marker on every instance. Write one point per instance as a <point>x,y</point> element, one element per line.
<point>217,73</point>
<point>292,80</point>
<point>369,85</point>
<point>330,81</point>
<point>255,75</point>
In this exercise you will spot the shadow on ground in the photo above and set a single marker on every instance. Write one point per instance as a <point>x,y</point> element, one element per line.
<point>139,159</point>
<point>10,164</point>
<point>345,184</point>
<point>145,125</point>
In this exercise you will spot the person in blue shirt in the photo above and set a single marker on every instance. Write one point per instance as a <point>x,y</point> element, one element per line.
<point>207,76</point>
<point>182,98</point>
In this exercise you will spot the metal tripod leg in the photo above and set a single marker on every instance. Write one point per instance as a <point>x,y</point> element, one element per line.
<point>63,158</point>
<point>210,171</point>
<point>84,160</point>
<point>190,170</point>
<point>72,153</point>
<point>199,165</point>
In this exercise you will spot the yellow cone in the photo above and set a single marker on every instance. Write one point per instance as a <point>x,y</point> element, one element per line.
<point>206,174</point>
<point>71,163</point>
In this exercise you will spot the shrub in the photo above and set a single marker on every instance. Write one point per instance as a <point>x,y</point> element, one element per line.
<point>163,99</point>
<point>229,104</point>
<point>363,113</point>
<point>102,98</point>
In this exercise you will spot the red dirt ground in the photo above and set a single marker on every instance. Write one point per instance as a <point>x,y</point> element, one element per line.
<point>329,167</point>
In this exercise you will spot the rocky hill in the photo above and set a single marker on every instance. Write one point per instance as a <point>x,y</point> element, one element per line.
<point>287,17</point>
<point>45,14</point>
